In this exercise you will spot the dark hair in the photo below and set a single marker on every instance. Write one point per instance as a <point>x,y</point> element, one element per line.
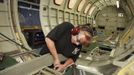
<point>86,27</point>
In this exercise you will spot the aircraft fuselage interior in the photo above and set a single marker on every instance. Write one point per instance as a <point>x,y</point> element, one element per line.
<point>25,23</point>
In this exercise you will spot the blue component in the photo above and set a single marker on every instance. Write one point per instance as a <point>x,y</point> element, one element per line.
<point>29,17</point>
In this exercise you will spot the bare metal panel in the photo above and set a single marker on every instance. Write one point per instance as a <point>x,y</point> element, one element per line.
<point>32,67</point>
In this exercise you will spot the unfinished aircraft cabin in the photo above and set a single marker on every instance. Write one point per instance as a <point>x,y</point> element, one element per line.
<point>24,25</point>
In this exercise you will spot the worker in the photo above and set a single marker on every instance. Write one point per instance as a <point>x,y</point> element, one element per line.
<point>64,43</point>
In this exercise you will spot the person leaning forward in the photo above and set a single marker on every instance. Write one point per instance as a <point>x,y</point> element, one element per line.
<point>64,43</point>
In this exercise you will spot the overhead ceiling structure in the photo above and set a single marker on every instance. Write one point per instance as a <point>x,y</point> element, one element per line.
<point>110,15</point>
<point>97,5</point>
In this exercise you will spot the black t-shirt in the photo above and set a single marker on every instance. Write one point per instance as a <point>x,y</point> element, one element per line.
<point>62,38</point>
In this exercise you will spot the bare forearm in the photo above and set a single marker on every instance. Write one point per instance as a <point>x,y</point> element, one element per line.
<point>68,62</point>
<point>51,47</point>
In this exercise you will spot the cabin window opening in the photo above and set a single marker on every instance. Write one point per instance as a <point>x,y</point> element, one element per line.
<point>91,10</point>
<point>87,8</point>
<point>81,5</point>
<point>58,2</point>
<point>71,3</point>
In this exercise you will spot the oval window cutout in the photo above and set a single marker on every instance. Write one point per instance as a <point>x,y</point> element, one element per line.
<point>91,10</point>
<point>58,2</point>
<point>71,3</point>
<point>87,7</point>
<point>81,5</point>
